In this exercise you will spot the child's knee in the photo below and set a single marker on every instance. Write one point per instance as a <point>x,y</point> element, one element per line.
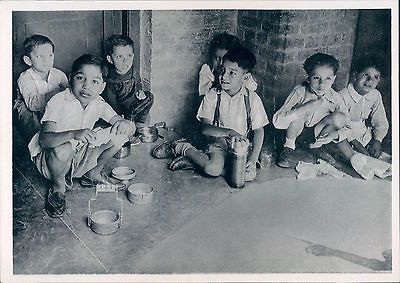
<point>61,153</point>
<point>213,168</point>
<point>338,119</point>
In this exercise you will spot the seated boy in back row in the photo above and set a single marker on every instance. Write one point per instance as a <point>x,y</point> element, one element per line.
<point>66,146</point>
<point>224,115</point>
<point>124,90</point>
<point>37,84</point>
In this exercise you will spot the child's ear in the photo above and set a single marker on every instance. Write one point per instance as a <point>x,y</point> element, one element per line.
<point>103,87</point>
<point>27,60</point>
<point>109,59</point>
<point>247,76</point>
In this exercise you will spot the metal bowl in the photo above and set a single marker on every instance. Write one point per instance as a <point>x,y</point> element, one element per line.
<point>105,222</point>
<point>140,193</point>
<point>123,173</point>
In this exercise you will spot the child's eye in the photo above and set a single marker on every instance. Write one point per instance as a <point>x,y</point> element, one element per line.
<point>316,78</point>
<point>118,56</point>
<point>96,82</point>
<point>232,73</point>
<point>79,78</point>
<point>377,77</point>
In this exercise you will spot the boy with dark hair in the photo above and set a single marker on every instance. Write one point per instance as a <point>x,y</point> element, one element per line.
<point>312,104</point>
<point>38,84</point>
<point>66,146</point>
<point>232,113</point>
<point>209,75</point>
<point>124,89</point>
<point>367,124</point>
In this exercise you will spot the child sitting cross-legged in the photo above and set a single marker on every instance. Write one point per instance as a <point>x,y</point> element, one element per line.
<point>312,104</point>
<point>66,146</point>
<point>224,115</point>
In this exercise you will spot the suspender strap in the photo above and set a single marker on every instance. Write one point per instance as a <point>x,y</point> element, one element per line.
<point>216,113</point>
<point>247,105</point>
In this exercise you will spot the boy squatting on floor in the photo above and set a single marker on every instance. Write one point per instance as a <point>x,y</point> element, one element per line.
<point>223,115</point>
<point>65,147</point>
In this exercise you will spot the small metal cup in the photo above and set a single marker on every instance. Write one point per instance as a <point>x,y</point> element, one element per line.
<point>124,151</point>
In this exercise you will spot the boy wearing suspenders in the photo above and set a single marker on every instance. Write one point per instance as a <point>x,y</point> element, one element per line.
<point>233,112</point>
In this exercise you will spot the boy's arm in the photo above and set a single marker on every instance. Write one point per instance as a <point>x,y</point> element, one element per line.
<point>121,126</point>
<point>379,122</point>
<point>208,129</point>
<point>258,139</point>
<point>33,100</point>
<point>49,138</point>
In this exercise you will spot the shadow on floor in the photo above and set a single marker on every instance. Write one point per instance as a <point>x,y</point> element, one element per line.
<point>373,264</point>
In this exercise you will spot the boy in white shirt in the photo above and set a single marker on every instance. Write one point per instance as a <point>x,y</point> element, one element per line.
<point>224,115</point>
<point>37,84</point>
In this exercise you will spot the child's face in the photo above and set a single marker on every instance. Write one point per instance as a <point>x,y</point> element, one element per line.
<point>87,83</point>
<point>233,77</point>
<point>321,79</point>
<point>217,58</point>
<point>366,80</point>
<point>121,58</point>
<point>41,59</point>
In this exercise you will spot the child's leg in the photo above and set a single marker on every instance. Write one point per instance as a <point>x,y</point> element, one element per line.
<point>198,157</point>
<point>29,122</point>
<point>346,149</point>
<point>104,152</point>
<point>58,161</point>
<point>293,131</point>
<point>215,165</point>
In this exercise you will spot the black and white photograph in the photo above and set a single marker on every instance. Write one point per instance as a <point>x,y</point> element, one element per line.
<point>199,141</point>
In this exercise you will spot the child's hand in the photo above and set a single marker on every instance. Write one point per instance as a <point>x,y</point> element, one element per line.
<point>85,135</point>
<point>374,148</point>
<point>140,95</point>
<point>123,127</point>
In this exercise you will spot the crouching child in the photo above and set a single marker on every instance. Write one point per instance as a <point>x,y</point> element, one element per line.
<point>66,146</point>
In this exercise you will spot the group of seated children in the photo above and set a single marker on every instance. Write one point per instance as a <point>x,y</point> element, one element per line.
<point>60,114</point>
<point>66,146</point>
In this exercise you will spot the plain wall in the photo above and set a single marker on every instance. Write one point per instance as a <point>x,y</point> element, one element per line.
<point>179,47</point>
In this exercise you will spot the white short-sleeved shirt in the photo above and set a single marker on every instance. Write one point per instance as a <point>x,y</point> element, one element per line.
<point>68,114</point>
<point>233,110</point>
<point>301,94</point>
<point>363,107</point>
<point>206,79</point>
<point>33,89</point>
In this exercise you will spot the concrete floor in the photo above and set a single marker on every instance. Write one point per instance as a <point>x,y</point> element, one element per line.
<point>201,225</point>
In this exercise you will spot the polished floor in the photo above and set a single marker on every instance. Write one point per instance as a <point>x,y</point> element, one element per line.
<point>195,224</point>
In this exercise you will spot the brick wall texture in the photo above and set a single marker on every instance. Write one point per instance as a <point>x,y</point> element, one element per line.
<point>282,40</point>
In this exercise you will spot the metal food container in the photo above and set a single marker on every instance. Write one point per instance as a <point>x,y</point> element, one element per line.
<point>140,193</point>
<point>149,133</point>
<point>105,212</point>
<point>105,222</point>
